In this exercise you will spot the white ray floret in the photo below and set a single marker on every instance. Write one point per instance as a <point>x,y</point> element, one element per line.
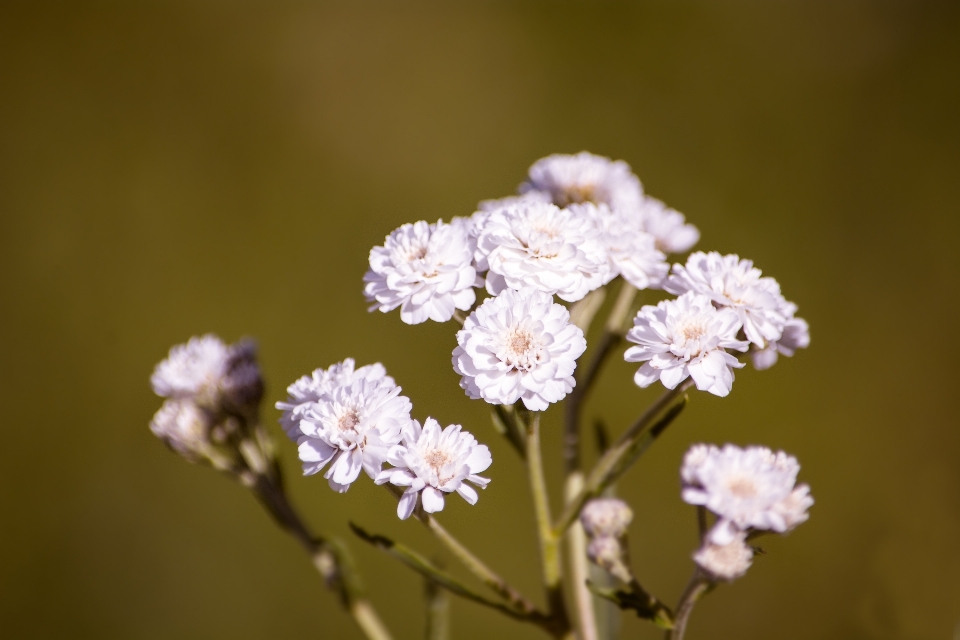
<point>425,269</point>
<point>673,234</point>
<point>351,427</point>
<point>796,335</point>
<point>311,388</point>
<point>736,284</point>
<point>540,245</point>
<point>630,251</point>
<point>751,488</point>
<point>682,338</point>
<point>519,345</point>
<point>193,370</point>
<point>584,177</point>
<point>430,462</point>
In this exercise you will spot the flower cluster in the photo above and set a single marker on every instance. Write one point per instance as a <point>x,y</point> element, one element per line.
<point>749,490</point>
<point>605,521</point>
<point>212,390</point>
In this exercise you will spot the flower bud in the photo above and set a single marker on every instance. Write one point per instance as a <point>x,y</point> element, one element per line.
<point>607,552</point>
<point>606,517</point>
<point>725,562</point>
<point>183,426</point>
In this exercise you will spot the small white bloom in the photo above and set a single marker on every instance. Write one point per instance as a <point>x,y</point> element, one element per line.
<point>432,462</point>
<point>796,335</point>
<point>193,370</point>
<point>352,427</point>
<point>734,283</point>
<point>607,552</point>
<point>518,345</point>
<point>183,426</point>
<point>727,561</point>
<point>309,389</point>
<point>486,206</point>
<point>584,177</point>
<point>425,269</point>
<point>745,488</point>
<point>631,252</point>
<point>685,337</point>
<point>606,517</point>
<point>539,245</point>
<point>673,234</point>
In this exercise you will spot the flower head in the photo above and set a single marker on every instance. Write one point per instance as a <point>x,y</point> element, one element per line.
<point>606,517</point>
<point>183,426</point>
<point>725,562</point>
<point>352,427</point>
<point>431,462</point>
<point>686,337</point>
<point>539,245</point>
<point>796,335</point>
<point>425,269</point>
<point>311,388</point>
<point>518,345</point>
<point>734,283</point>
<point>673,234</point>
<point>630,251</point>
<point>752,488</point>
<point>193,370</point>
<point>584,177</point>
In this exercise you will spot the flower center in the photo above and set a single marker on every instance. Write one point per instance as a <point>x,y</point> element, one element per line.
<point>437,459</point>
<point>742,487</point>
<point>520,349</point>
<point>693,330</point>
<point>416,253</point>
<point>348,421</point>
<point>579,193</point>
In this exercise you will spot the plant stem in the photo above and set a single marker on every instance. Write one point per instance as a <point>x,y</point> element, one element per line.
<point>624,451</point>
<point>438,611</point>
<point>549,543</point>
<point>577,565</point>
<point>697,586</point>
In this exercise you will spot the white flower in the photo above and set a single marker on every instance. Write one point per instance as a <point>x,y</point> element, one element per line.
<point>183,426</point>
<point>434,462</point>
<point>309,389</point>
<point>193,370</point>
<point>352,427</point>
<point>668,226</point>
<point>750,488</point>
<point>631,252</point>
<point>584,177</point>
<point>539,245</point>
<point>606,517</point>
<point>734,283</point>
<point>685,337</point>
<point>425,269</point>
<point>727,561</point>
<point>608,553</point>
<point>518,345</point>
<point>486,206</point>
<point>796,335</point>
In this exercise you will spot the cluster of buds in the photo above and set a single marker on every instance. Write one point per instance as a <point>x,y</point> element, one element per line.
<point>605,521</point>
<point>211,413</point>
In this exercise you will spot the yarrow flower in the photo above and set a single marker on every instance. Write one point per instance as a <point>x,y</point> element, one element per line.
<point>539,245</point>
<point>796,335</point>
<point>519,345</point>
<point>425,269</point>
<point>183,426</point>
<point>352,425</point>
<point>673,234</point>
<point>725,562</point>
<point>752,488</point>
<point>606,517</point>
<point>211,374</point>
<point>682,338</point>
<point>630,251</point>
<point>431,462</point>
<point>584,177</point>
<point>309,389</point>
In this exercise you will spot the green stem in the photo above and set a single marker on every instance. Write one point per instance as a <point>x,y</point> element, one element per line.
<point>625,452</point>
<point>576,543</point>
<point>437,601</point>
<point>697,587</point>
<point>549,542</point>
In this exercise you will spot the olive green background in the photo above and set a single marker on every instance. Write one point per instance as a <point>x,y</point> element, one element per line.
<point>171,168</point>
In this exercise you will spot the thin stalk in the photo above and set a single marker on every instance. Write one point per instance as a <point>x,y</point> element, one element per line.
<point>576,545</point>
<point>696,588</point>
<point>437,601</point>
<point>634,441</point>
<point>549,542</point>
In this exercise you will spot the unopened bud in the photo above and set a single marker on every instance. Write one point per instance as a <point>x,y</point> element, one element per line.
<point>607,552</point>
<point>183,426</point>
<point>606,517</point>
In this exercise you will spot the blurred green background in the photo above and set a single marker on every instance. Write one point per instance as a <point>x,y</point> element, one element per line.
<point>170,168</point>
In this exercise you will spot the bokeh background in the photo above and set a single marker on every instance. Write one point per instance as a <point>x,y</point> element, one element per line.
<point>174,168</point>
